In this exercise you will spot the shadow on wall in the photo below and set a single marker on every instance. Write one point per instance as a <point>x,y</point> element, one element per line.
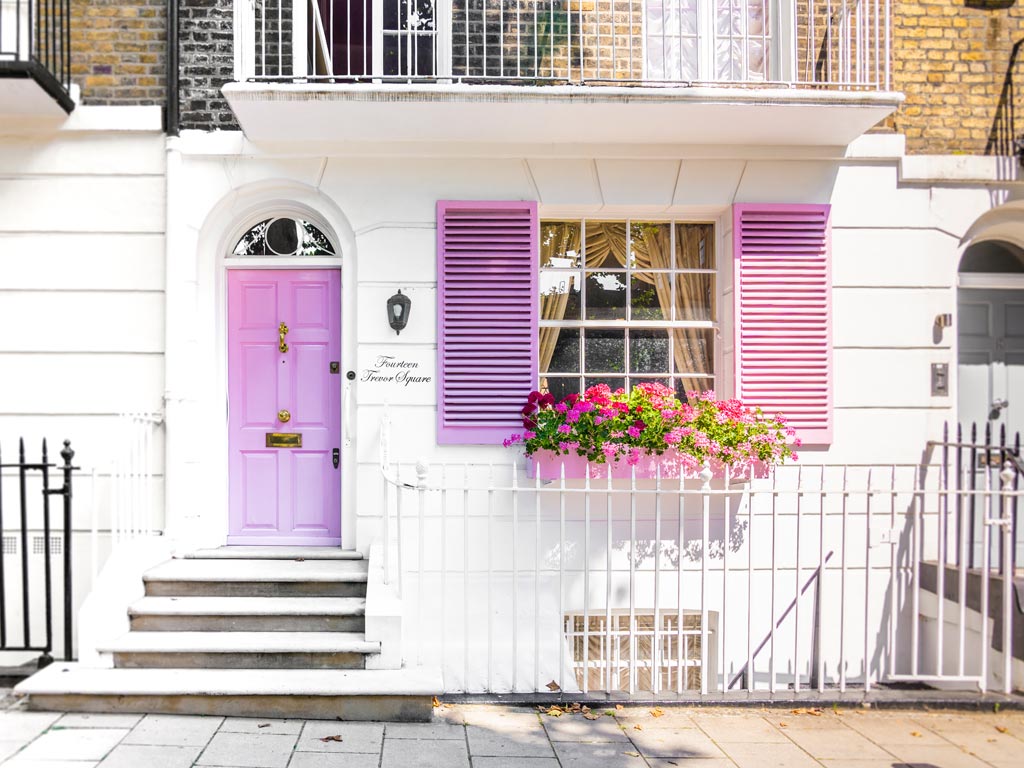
<point>1005,136</point>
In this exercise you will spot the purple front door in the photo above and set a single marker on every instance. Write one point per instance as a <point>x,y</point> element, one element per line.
<point>284,427</point>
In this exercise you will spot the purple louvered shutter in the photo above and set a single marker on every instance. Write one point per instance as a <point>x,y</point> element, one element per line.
<point>784,314</point>
<point>487,318</point>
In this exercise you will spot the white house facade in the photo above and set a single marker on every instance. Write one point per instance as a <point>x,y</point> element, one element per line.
<point>721,218</point>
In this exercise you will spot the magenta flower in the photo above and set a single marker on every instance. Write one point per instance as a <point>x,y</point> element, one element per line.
<point>633,432</point>
<point>564,429</point>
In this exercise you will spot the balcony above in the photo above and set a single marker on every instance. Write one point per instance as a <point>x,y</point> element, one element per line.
<point>767,72</point>
<point>35,58</point>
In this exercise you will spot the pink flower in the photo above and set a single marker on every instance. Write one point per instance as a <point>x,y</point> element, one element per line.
<point>633,432</point>
<point>564,429</point>
<point>528,435</point>
<point>599,419</point>
<point>561,407</point>
<point>794,457</point>
<point>672,437</point>
<point>634,457</point>
<point>572,416</point>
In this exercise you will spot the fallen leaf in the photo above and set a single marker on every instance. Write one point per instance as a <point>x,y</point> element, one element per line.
<point>610,712</point>
<point>448,705</point>
<point>916,734</point>
<point>783,725</point>
<point>300,559</point>
<point>335,737</point>
<point>619,707</point>
<point>263,725</point>
<point>591,716</point>
<point>816,712</point>
<point>437,702</point>
<point>1002,729</point>
<point>671,762</point>
<point>553,686</point>
<point>584,709</point>
<point>555,712</point>
<point>657,712</point>
<point>632,754</point>
<point>638,727</point>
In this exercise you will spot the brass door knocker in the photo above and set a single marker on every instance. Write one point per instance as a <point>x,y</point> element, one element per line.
<point>282,331</point>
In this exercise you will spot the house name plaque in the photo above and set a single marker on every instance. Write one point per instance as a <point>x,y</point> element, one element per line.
<point>405,377</point>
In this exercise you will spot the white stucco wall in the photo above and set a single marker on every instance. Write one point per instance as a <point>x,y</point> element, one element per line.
<point>81,306</point>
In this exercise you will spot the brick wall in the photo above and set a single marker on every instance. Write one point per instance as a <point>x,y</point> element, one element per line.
<point>206,63</point>
<point>950,58</point>
<point>118,50</point>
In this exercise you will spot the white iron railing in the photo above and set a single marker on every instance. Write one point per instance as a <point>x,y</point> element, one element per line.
<point>808,579</point>
<point>841,44</point>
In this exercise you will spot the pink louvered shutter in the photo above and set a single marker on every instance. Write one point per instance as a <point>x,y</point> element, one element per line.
<point>784,314</point>
<point>487,318</point>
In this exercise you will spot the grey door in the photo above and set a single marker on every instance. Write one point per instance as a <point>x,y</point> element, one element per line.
<point>991,359</point>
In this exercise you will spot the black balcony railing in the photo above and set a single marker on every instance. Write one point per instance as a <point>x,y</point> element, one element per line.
<point>35,42</point>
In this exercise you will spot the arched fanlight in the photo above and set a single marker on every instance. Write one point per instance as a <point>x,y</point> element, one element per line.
<point>284,236</point>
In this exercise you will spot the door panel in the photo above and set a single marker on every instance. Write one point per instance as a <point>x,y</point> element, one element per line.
<point>288,495</point>
<point>991,359</point>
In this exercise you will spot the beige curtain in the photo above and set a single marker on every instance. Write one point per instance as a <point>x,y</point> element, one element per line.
<point>556,240</point>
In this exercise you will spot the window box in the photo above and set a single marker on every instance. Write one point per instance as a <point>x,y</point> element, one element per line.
<point>671,463</point>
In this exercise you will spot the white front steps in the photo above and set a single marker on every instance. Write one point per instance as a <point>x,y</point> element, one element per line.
<point>242,650</point>
<point>386,694</point>
<point>268,614</point>
<point>209,620</point>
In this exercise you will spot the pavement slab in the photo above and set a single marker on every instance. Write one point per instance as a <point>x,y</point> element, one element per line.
<point>689,743</point>
<point>97,720</point>
<point>261,725</point>
<point>508,742</point>
<point>25,726</point>
<point>436,730</point>
<point>318,736</point>
<point>945,757</point>
<point>837,743</point>
<point>613,755</point>
<point>139,755</point>
<point>515,762</point>
<point>579,728</point>
<point>407,753</point>
<point>728,729</point>
<point>174,730</point>
<point>20,763</point>
<point>249,750</point>
<point>74,744</point>
<point>334,760</point>
<point>769,756</point>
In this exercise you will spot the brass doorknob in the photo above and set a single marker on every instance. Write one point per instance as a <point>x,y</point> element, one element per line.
<point>284,417</point>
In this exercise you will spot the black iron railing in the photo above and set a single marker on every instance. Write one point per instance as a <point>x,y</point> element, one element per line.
<point>21,588</point>
<point>35,41</point>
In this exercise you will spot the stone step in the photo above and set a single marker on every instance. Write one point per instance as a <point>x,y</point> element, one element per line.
<point>248,614</point>
<point>363,694</point>
<point>275,553</point>
<point>257,578</point>
<point>241,650</point>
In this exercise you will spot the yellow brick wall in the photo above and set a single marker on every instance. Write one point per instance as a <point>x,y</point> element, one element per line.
<point>118,50</point>
<point>950,58</point>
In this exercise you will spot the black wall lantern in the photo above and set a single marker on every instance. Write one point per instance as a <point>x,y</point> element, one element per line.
<point>398,311</point>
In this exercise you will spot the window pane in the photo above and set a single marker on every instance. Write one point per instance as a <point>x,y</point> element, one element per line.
<point>560,350</point>
<point>606,296</point>
<point>559,295</point>
<point>694,350</point>
<point>648,352</point>
<point>651,246</point>
<point>645,302</point>
<point>685,384</point>
<point>695,246</point>
<point>606,245</point>
<point>560,244</point>
<point>560,386</point>
<point>604,351</point>
<point>695,296</point>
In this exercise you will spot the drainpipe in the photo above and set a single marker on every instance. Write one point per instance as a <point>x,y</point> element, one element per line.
<point>171,112</point>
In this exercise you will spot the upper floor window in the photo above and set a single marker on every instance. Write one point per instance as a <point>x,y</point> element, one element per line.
<point>626,301</point>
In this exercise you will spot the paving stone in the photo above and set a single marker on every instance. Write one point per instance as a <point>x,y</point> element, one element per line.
<point>260,725</point>
<point>834,743</point>
<point>505,740</point>
<point>355,737</point>
<point>515,762</point>
<point>670,717</point>
<point>20,763</point>
<point>578,728</point>
<point>74,744</point>
<point>334,760</point>
<point>668,762</point>
<point>674,742</point>
<point>249,750</point>
<point>437,730</point>
<point>408,753</point>
<point>886,730</point>
<point>25,726</point>
<point>609,755</point>
<point>984,740</point>
<point>138,755</point>
<point>730,729</point>
<point>504,717</point>
<point>97,720</point>
<point>8,748</point>
<point>946,757</point>
<point>748,755</point>
<point>174,730</point>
